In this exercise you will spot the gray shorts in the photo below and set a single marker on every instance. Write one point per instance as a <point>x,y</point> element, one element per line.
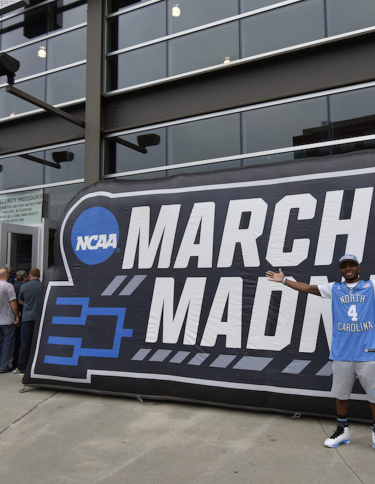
<point>345,373</point>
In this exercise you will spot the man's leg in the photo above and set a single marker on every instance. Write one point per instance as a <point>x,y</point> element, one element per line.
<point>7,343</point>
<point>343,380</point>
<point>342,406</point>
<point>372,407</point>
<point>27,329</point>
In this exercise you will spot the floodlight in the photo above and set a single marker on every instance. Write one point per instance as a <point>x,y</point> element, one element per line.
<point>151,139</point>
<point>8,66</point>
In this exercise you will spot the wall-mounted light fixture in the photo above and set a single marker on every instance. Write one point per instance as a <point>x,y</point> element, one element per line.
<point>176,11</point>
<point>42,52</point>
<point>8,67</point>
<point>62,156</point>
<point>12,114</point>
<point>143,140</point>
<point>227,60</point>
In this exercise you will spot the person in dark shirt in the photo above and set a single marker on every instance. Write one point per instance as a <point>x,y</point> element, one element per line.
<point>19,281</point>
<point>28,297</point>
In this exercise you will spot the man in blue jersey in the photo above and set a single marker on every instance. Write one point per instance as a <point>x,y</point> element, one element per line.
<point>353,335</point>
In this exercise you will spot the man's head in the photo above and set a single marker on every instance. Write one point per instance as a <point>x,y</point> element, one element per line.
<point>4,274</point>
<point>349,268</point>
<point>34,273</point>
<point>20,276</point>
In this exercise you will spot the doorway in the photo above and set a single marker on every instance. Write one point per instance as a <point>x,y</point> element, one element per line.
<point>23,247</point>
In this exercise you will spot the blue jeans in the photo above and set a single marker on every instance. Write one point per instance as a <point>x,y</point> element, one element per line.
<point>6,344</point>
<point>27,329</point>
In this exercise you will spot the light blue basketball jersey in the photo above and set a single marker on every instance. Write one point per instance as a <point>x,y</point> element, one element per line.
<point>353,322</point>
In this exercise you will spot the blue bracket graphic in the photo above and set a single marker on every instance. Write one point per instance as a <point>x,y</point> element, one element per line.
<point>81,320</point>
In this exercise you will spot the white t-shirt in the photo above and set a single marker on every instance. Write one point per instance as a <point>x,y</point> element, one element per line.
<point>7,294</point>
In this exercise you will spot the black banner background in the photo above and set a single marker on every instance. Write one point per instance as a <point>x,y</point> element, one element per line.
<point>250,377</point>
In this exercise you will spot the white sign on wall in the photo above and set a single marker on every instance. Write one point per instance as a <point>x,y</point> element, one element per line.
<point>21,208</point>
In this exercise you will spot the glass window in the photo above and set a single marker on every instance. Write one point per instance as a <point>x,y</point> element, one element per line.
<point>204,139</point>
<point>38,22</point>
<point>30,62</point>
<point>346,15</point>
<point>21,171</point>
<point>138,66</point>
<point>225,165</point>
<point>120,158</point>
<point>144,176</point>
<point>14,105</point>
<point>66,48</point>
<point>291,124</point>
<point>55,199</point>
<point>353,114</point>
<point>69,162</point>
<point>287,157</point>
<point>187,14</point>
<point>115,5</point>
<point>72,14</point>
<point>138,26</point>
<point>249,5</point>
<point>23,28</point>
<point>65,86</point>
<point>282,27</point>
<point>204,48</point>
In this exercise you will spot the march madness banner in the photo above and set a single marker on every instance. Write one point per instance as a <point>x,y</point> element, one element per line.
<point>159,288</point>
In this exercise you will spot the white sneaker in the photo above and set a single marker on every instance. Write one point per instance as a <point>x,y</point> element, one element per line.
<point>373,438</point>
<point>341,436</point>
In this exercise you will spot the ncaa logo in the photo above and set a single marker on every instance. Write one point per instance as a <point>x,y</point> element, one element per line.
<point>95,235</point>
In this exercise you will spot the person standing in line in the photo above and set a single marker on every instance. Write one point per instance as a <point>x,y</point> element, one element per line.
<point>9,318</point>
<point>19,281</point>
<point>353,338</point>
<point>28,297</point>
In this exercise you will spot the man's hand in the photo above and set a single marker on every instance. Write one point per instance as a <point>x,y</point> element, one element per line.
<point>274,276</point>
<point>17,322</point>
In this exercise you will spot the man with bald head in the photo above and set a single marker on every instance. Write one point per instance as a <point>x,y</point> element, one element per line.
<point>9,319</point>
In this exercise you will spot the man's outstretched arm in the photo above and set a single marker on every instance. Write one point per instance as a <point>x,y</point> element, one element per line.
<point>298,286</point>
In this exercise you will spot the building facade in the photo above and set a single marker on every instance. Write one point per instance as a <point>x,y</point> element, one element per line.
<point>223,83</point>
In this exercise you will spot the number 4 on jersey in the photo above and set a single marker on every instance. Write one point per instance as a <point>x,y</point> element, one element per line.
<point>352,313</point>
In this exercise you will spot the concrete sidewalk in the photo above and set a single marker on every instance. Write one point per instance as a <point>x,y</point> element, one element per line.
<point>64,437</point>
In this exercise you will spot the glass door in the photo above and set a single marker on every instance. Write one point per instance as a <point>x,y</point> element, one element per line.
<point>19,247</point>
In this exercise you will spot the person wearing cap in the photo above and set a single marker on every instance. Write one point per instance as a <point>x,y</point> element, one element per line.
<point>353,338</point>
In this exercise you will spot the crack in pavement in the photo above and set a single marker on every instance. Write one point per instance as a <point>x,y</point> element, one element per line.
<point>27,413</point>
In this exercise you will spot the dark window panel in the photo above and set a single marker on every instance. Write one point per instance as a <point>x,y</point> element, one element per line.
<point>194,13</point>
<point>139,26</point>
<point>353,114</point>
<point>40,21</point>
<point>283,27</point>
<point>225,165</point>
<point>65,86</point>
<point>347,15</point>
<point>30,62</point>
<point>69,158</point>
<point>14,105</point>
<point>116,5</point>
<point>141,65</point>
<point>204,48</point>
<point>72,13</point>
<point>249,5</point>
<point>120,158</point>
<point>23,28</point>
<point>17,172</point>
<point>57,198</point>
<point>66,48</point>
<point>284,125</point>
<point>204,139</point>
